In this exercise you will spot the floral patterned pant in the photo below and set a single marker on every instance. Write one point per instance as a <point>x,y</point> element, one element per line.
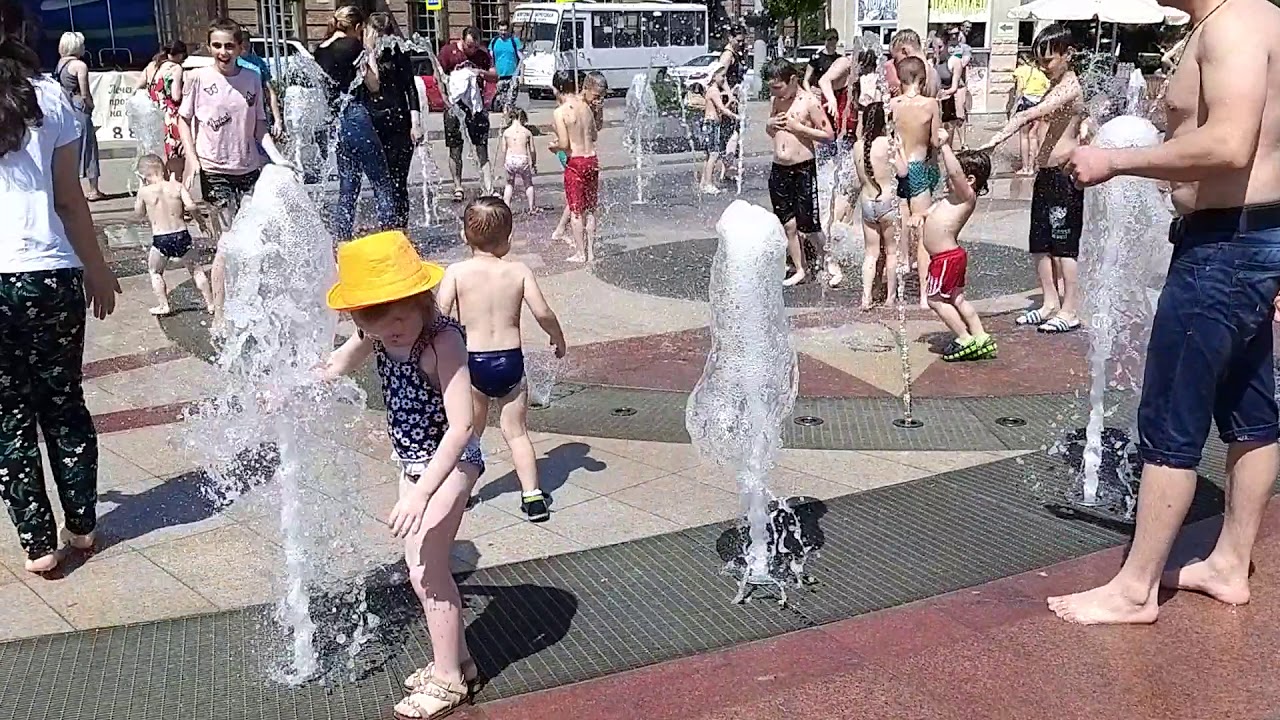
<point>42,318</point>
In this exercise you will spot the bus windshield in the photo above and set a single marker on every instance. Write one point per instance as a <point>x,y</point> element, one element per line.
<point>536,29</point>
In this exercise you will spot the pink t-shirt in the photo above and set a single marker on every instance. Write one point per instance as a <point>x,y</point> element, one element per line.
<point>225,111</point>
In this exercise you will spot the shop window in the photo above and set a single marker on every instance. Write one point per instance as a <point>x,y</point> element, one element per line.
<point>425,23</point>
<point>486,15</point>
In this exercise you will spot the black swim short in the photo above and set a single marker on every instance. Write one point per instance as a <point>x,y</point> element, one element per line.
<point>173,245</point>
<point>222,190</point>
<point>477,128</point>
<point>1057,214</point>
<point>793,190</point>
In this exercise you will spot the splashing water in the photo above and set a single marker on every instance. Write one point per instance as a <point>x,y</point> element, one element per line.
<point>742,133</point>
<point>541,368</point>
<point>748,388</point>
<point>146,124</point>
<point>1123,254</point>
<point>642,119</point>
<point>279,264</point>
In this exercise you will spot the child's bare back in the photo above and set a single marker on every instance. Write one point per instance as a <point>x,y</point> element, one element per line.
<point>488,294</point>
<point>517,141</point>
<point>164,202</point>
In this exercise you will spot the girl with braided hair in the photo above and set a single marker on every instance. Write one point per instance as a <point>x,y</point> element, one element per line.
<point>879,202</point>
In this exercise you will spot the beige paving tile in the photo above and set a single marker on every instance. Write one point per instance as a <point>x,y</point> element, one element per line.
<point>181,380</point>
<point>101,401</point>
<point>595,470</point>
<point>783,481</point>
<point>155,449</point>
<point>935,461</point>
<point>230,567</point>
<point>853,469</point>
<point>500,487</point>
<point>25,614</point>
<point>483,519</point>
<point>6,577</point>
<point>682,500</point>
<point>352,541</point>
<point>128,588</point>
<point>345,471</point>
<point>672,457</point>
<point>522,541</point>
<point>115,471</point>
<point>605,521</point>
<point>157,510</point>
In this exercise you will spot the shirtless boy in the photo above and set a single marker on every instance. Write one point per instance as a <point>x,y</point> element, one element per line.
<point>162,200</point>
<point>1210,353</point>
<point>486,294</point>
<point>519,158</point>
<point>967,176</point>
<point>1057,205</point>
<point>594,89</point>
<point>796,122</point>
<point>575,123</point>
<point>917,120</point>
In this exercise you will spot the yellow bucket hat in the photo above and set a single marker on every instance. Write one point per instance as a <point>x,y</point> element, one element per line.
<point>380,268</point>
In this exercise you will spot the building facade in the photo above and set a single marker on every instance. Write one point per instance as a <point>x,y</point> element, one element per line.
<point>994,37</point>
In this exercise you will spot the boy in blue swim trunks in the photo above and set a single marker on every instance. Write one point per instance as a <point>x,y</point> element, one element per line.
<point>486,293</point>
<point>162,200</point>
<point>917,119</point>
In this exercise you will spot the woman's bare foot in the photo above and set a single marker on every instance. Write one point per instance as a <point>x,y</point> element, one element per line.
<point>44,564</point>
<point>1106,605</point>
<point>1206,578</point>
<point>795,279</point>
<point>577,258</point>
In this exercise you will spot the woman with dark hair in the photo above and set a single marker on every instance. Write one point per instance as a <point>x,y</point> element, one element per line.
<point>395,107</point>
<point>162,79</point>
<point>353,75</point>
<point>50,270</point>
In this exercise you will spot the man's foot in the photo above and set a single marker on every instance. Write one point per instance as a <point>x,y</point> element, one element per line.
<point>1204,578</point>
<point>1106,605</point>
<point>577,258</point>
<point>836,275</point>
<point>795,279</point>
<point>711,190</point>
<point>161,310</point>
<point>866,305</point>
<point>535,506</point>
<point>1037,316</point>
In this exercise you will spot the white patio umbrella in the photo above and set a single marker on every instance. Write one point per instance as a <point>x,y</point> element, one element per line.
<point>1122,12</point>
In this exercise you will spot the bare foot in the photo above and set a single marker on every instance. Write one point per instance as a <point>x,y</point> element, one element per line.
<point>866,305</point>
<point>1203,577</point>
<point>44,564</point>
<point>577,258</point>
<point>1106,605</point>
<point>795,279</point>
<point>924,303</point>
<point>160,310</point>
<point>836,275</point>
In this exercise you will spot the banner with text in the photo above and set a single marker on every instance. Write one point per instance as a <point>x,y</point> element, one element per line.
<point>110,91</point>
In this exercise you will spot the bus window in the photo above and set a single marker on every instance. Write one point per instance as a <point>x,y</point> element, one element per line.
<point>569,43</point>
<point>683,33</point>
<point>602,28</point>
<point>538,32</point>
<point>627,31</point>
<point>653,29</point>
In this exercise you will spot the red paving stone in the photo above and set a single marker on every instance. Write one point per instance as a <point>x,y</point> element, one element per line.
<point>992,652</point>
<point>134,419</point>
<point>133,361</point>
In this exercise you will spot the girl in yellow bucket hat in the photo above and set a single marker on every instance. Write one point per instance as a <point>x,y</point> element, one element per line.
<point>422,360</point>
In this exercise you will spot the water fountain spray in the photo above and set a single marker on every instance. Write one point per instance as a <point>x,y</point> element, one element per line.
<point>908,421</point>
<point>741,92</point>
<point>642,116</point>
<point>748,388</point>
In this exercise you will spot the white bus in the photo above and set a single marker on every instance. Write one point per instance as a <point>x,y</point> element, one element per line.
<point>617,39</point>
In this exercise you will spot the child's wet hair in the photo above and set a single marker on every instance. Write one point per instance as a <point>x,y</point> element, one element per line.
<point>372,314</point>
<point>977,165</point>
<point>487,223</point>
<point>518,114</point>
<point>596,81</point>
<point>780,70</point>
<point>150,164</point>
<point>911,70</point>
<point>564,82</point>
<point>1056,39</point>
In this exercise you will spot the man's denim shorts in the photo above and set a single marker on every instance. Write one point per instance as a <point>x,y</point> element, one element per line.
<point>1210,353</point>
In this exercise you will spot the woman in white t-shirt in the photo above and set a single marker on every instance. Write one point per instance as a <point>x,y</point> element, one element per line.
<point>50,270</point>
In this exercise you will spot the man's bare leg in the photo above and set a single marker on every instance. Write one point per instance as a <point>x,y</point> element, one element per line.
<point>796,253</point>
<point>1068,270</point>
<point>577,224</point>
<point>1048,285</point>
<point>455,168</point>
<point>1224,575</point>
<point>486,171</point>
<point>1130,597</point>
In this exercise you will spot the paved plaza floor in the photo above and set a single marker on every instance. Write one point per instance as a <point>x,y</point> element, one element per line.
<point>936,547</point>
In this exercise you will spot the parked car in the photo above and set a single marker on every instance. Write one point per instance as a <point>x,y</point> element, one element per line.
<point>699,68</point>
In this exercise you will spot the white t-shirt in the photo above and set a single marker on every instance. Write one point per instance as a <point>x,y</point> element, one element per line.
<point>32,237</point>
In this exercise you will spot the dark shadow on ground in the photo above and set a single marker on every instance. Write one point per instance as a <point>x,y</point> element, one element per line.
<point>553,471</point>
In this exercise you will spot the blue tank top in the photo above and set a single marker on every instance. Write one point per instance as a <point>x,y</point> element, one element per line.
<point>415,408</point>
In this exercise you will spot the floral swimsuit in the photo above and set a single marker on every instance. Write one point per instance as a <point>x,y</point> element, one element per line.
<point>415,408</point>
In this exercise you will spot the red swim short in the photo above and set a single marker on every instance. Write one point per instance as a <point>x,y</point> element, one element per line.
<point>582,183</point>
<point>946,273</point>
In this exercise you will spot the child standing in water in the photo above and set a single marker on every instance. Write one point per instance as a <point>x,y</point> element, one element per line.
<point>879,201</point>
<point>486,293</point>
<point>422,361</point>
<point>967,176</point>
<point>162,199</point>
<point>917,120</point>
<point>520,160</point>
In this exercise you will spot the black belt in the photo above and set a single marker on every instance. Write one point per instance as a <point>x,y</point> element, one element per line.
<point>1250,218</point>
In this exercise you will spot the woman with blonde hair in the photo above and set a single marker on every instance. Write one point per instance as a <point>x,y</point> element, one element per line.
<point>354,75</point>
<point>73,75</point>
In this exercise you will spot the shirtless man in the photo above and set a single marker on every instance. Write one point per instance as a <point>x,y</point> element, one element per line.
<point>1210,354</point>
<point>796,122</point>
<point>917,121</point>
<point>1057,205</point>
<point>905,44</point>
<point>575,123</point>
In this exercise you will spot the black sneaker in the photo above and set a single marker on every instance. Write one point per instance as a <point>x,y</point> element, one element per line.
<point>536,507</point>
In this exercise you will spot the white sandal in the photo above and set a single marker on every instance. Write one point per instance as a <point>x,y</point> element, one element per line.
<point>432,700</point>
<point>421,676</point>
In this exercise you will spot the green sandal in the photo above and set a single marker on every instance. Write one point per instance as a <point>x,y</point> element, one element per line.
<point>978,348</point>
